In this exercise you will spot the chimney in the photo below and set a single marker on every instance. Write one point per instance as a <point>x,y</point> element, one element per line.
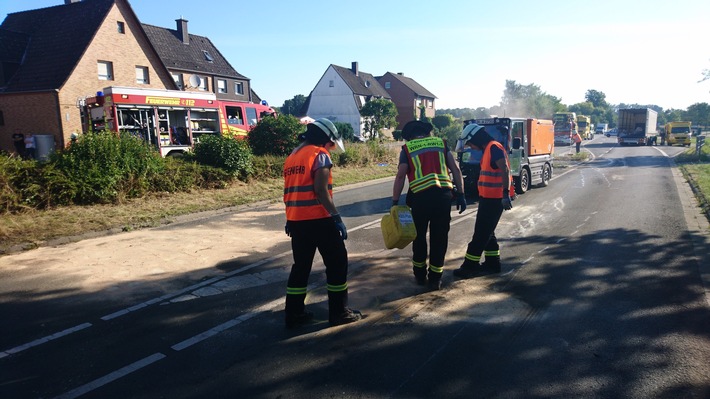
<point>182,30</point>
<point>71,1</point>
<point>400,73</point>
<point>354,69</point>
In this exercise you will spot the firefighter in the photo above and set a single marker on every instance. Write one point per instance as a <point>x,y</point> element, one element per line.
<point>494,188</point>
<point>425,161</point>
<point>313,222</point>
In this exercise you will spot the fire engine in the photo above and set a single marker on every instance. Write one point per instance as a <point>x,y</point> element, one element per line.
<point>172,121</point>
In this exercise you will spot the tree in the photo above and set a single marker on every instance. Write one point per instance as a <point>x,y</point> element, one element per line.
<point>294,105</point>
<point>346,131</point>
<point>597,98</point>
<point>275,136</point>
<point>379,114</point>
<point>585,108</point>
<point>699,114</point>
<point>526,101</point>
<point>443,121</point>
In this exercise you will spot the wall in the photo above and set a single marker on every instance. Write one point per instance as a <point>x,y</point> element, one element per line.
<point>125,51</point>
<point>34,113</point>
<point>336,103</point>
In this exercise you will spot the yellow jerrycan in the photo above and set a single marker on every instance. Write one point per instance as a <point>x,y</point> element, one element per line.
<point>398,227</point>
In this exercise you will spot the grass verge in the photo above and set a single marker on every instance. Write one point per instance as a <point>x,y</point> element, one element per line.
<point>33,228</point>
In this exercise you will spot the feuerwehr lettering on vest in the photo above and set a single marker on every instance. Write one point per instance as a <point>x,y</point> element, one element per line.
<point>295,170</point>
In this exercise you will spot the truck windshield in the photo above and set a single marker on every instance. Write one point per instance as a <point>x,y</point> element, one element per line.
<point>680,129</point>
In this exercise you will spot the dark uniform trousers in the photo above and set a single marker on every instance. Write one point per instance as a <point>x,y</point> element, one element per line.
<point>306,237</point>
<point>431,210</point>
<point>487,218</point>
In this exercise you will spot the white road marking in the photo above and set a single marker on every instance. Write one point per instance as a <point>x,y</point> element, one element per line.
<point>122,372</point>
<point>40,341</point>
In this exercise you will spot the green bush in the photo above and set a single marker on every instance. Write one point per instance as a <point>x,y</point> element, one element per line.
<point>357,154</point>
<point>105,167</point>
<point>268,166</point>
<point>232,155</point>
<point>275,136</point>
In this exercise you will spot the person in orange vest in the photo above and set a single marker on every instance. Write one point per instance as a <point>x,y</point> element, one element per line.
<point>313,222</point>
<point>425,161</point>
<point>494,188</point>
<point>577,140</point>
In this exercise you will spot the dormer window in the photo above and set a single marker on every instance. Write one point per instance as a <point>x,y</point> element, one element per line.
<point>208,57</point>
<point>367,83</point>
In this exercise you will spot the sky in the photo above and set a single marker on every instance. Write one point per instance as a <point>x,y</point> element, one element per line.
<point>635,52</point>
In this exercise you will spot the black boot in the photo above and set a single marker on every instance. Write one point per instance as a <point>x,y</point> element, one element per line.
<point>491,265</point>
<point>434,281</point>
<point>296,314</point>
<point>338,310</point>
<point>467,270</point>
<point>419,275</point>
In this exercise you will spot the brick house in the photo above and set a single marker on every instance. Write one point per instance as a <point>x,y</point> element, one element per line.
<point>409,97</point>
<point>52,58</point>
<point>340,94</point>
<point>195,64</point>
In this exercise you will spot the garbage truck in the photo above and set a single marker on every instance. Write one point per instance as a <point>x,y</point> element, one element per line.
<point>530,144</point>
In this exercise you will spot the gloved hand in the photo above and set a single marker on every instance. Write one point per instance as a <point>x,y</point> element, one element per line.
<point>287,229</point>
<point>460,202</point>
<point>507,203</point>
<point>341,226</point>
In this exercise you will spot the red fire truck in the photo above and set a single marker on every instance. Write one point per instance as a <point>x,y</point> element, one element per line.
<point>171,120</point>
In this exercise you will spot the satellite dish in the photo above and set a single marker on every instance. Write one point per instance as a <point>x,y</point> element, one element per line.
<point>195,81</point>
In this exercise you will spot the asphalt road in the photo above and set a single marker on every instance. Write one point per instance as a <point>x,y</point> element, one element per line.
<point>603,294</point>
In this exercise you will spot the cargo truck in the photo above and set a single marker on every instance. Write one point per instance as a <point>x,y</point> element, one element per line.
<point>678,133</point>
<point>584,127</point>
<point>530,144</point>
<point>563,127</point>
<point>602,128</point>
<point>637,126</point>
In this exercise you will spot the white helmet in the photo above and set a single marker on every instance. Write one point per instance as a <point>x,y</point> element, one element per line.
<point>330,130</point>
<point>469,131</point>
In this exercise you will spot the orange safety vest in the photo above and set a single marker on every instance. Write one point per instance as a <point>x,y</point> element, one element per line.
<point>299,194</point>
<point>576,137</point>
<point>490,182</point>
<point>427,164</point>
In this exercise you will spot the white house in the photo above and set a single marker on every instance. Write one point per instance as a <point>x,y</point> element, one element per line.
<point>340,94</point>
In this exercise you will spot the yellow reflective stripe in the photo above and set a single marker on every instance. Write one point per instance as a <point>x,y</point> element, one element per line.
<point>432,179</point>
<point>491,253</point>
<point>473,257</point>
<point>337,288</point>
<point>296,290</point>
<point>421,265</point>
<point>436,269</point>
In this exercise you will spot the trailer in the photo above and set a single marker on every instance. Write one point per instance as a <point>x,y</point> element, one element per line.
<point>637,126</point>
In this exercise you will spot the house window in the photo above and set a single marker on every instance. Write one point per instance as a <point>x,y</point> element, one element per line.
<point>203,84</point>
<point>105,70</point>
<point>388,85</point>
<point>208,57</point>
<point>331,83</point>
<point>177,77</point>
<point>239,87</point>
<point>221,86</point>
<point>121,27</point>
<point>2,119</point>
<point>142,75</point>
